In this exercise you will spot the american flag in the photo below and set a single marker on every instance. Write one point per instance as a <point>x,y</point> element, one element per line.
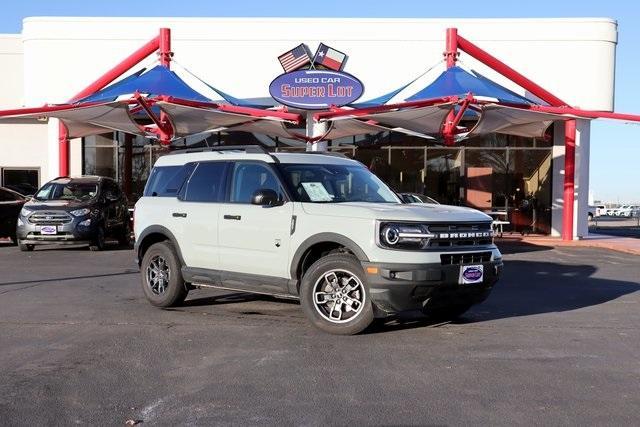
<point>295,58</point>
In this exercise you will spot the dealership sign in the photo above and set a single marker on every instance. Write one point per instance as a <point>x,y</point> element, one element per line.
<point>322,84</point>
<point>315,89</point>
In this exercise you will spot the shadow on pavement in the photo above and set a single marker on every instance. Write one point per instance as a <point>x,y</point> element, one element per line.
<point>519,246</point>
<point>529,288</point>
<point>62,279</point>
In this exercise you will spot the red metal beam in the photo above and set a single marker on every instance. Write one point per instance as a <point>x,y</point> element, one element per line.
<point>249,111</point>
<point>125,65</point>
<point>527,84</point>
<point>383,108</point>
<point>165,129</point>
<point>502,68</point>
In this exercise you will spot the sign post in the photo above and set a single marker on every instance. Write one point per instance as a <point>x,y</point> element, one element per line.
<point>312,84</point>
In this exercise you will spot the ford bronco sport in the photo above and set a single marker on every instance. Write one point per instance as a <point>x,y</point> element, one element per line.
<point>314,226</point>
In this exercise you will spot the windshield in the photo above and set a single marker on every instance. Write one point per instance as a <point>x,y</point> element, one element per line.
<point>67,191</point>
<point>335,183</point>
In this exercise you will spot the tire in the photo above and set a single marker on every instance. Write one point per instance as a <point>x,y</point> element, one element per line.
<point>170,289</point>
<point>124,236</point>
<point>25,247</point>
<point>98,240</point>
<point>447,312</point>
<point>318,285</point>
<point>14,240</point>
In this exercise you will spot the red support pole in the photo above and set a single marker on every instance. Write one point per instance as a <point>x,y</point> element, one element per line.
<point>451,56</point>
<point>63,149</point>
<point>165,55</point>
<point>451,43</point>
<point>569,178</point>
<point>570,126</point>
<point>165,47</point>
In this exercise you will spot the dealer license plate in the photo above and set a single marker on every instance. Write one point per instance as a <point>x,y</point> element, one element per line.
<point>48,229</point>
<point>471,274</point>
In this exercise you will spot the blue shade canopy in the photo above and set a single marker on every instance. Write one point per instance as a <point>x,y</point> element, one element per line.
<point>156,81</point>
<point>457,82</point>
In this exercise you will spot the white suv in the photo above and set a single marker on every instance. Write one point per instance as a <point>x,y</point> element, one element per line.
<point>318,227</point>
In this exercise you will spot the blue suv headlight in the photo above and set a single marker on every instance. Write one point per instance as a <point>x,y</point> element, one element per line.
<point>81,212</point>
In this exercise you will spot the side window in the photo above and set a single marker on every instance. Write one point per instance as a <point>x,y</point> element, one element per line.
<point>166,181</point>
<point>111,190</point>
<point>249,177</point>
<point>207,183</point>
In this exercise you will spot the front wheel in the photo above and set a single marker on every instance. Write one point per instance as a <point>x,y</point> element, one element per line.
<point>162,280</point>
<point>25,247</point>
<point>98,241</point>
<point>334,295</point>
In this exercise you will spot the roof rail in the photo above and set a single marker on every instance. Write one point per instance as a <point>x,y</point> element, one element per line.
<point>326,153</point>
<point>246,148</point>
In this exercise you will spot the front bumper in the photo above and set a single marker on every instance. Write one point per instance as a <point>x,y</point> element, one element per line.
<point>397,287</point>
<point>71,233</point>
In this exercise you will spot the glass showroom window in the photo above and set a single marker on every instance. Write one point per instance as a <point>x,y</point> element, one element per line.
<point>23,180</point>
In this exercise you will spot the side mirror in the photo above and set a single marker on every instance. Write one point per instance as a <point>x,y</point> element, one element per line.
<point>265,197</point>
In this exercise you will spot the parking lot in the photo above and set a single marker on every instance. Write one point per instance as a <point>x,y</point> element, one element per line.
<point>558,342</point>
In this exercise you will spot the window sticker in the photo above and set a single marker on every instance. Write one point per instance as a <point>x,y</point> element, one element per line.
<point>317,192</point>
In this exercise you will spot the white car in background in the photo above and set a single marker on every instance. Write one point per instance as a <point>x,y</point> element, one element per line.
<point>628,211</point>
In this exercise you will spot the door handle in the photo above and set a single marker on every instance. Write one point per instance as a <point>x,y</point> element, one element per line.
<point>179,215</point>
<point>234,217</point>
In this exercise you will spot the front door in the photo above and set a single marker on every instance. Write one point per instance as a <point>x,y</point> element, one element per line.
<point>254,239</point>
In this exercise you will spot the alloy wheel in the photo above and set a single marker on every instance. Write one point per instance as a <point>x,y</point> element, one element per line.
<point>339,296</point>
<point>158,274</point>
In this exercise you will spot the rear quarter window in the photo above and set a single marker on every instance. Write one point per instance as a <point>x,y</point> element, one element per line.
<point>166,181</point>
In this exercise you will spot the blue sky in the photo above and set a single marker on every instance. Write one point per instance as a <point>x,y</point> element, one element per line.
<point>615,147</point>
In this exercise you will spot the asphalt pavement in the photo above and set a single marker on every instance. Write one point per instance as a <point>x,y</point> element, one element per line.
<point>557,343</point>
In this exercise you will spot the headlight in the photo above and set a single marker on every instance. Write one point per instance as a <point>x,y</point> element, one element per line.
<point>25,212</point>
<point>404,236</point>
<point>80,212</point>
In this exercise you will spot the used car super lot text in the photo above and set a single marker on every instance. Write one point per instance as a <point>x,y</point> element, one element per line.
<point>558,339</point>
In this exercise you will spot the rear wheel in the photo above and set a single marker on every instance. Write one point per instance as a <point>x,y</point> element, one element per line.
<point>334,295</point>
<point>162,280</point>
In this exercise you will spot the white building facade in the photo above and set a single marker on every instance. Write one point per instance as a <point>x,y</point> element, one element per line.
<point>54,58</point>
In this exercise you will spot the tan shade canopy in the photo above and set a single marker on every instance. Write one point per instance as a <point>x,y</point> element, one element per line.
<point>424,120</point>
<point>93,119</point>
<point>496,118</point>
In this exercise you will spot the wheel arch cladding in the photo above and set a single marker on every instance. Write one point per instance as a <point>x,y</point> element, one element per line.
<point>320,241</point>
<point>152,235</point>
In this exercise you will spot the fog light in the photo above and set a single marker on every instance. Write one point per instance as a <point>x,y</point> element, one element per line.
<point>85,223</point>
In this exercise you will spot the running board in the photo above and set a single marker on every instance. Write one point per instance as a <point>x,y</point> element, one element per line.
<point>226,288</point>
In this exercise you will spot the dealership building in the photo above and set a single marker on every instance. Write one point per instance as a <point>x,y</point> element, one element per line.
<point>518,178</point>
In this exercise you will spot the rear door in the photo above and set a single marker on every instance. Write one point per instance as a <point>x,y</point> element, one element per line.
<point>254,239</point>
<point>198,208</point>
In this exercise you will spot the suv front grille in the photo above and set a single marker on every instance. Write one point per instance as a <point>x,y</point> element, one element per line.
<point>468,258</point>
<point>462,234</point>
<point>50,218</point>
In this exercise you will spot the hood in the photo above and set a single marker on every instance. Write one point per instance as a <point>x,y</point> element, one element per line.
<point>63,205</point>
<point>397,211</point>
